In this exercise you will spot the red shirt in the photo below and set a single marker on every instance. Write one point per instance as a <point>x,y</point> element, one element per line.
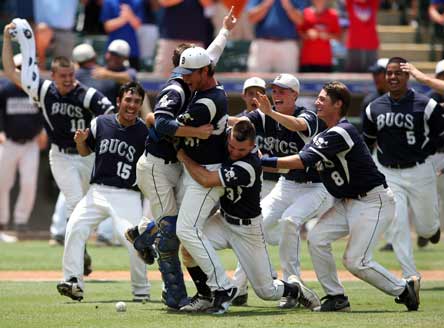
<point>318,51</point>
<point>362,32</point>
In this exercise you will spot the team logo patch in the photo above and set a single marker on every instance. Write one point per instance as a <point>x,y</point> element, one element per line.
<point>182,61</point>
<point>320,142</point>
<point>185,118</point>
<point>230,174</point>
<point>164,101</point>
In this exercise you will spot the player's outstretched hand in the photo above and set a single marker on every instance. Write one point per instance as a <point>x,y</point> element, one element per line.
<point>263,103</point>
<point>229,21</point>
<point>81,135</point>
<point>204,131</point>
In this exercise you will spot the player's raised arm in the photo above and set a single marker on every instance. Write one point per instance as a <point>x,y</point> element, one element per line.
<point>80,139</point>
<point>7,57</point>
<point>199,173</point>
<point>431,82</point>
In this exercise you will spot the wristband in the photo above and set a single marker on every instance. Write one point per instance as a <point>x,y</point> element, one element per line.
<point>269,161</point>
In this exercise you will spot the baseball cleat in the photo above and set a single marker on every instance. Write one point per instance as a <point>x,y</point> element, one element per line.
<point>198,303</point>
<point>70,289</point>
<point>410,295</point>
<point>334,303</point>
<point>307,297</point>
<point>386,248</point>
<point>422,242</point>
<point>436,237</point>
<point>223,299</point>
<point>287,302</point>
<point>241,300</point>
<point>141,298</point>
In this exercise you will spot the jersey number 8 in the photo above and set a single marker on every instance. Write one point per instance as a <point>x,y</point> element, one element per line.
<point>339,181</point>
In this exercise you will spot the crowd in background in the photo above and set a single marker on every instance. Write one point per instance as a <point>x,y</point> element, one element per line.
<point>299,35</point>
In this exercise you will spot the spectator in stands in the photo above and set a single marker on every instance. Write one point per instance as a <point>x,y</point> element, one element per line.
<point>148,33</point>
<point>181,21</point>
<point>379,80</point>
<point>91,17</point>
<point>55,21</point>
<point>121,19</point>
<point>362,40</point>
<point>275,47</point>
<point>320,25</point>
<point>436,13</point>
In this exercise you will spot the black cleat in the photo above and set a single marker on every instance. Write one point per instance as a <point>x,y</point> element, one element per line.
<point>334,303</point>
<point>70,289</point>
<point>386,248</point>
<point>436,237</point>
<point>241,300</point>
<point>422,242</point>
<point>87,264</point>
<point>410,295</point>
<point>223,299</point>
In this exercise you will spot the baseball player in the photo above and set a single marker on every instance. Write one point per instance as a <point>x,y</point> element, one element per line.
<point>158,174</point>
<point>239,225</point>
<point>66,106</point>
<point>298,195</point>
<point>362,210</point>
<point>20,129</point>
<point>404,124</point>
<point>116,141</point>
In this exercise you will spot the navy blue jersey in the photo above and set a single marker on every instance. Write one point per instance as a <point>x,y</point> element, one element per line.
<point>242,182</point>
<point>276,140</point>
<point>117,150</point>
<point>440,100</point>
<point>170,102</point>
<point>20,119</point>
<point>404,130</point>
<point>65,114</point>
<point>209,106</point>
<point>343,161</point>
<point>367,100</point>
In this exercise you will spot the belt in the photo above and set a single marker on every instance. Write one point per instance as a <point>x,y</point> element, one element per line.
<point>21,141</point>
<point>165,161</point>
<point>405,165</point>
<point>68,150</point>
<point>364,194</point>
<point>236,221</point>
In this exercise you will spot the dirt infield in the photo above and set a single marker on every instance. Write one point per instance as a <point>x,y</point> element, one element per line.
<point>431,275</point>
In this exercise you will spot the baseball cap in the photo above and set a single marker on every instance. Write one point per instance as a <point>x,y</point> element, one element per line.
<point>379,66</point>
<point>192,59</point>
<point>253,82</point>
<point>83,52</point>
<point>439,67</point>
<point>120,48</point>
<point>18,59</point>
<point>286,81</point>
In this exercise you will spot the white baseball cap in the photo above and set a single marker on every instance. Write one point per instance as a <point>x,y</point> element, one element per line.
<point>192,59</point>
<point>380,66</point>
<point>287,81</point>
<point>253,82</point>
<point>439,67</point>
<point>18,59</point>
<point>83,52</point>
<point>120,48</point>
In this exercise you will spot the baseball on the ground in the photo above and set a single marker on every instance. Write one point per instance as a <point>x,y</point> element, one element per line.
<point>120,306</point>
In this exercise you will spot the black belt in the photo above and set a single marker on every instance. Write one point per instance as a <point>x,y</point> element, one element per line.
<point>235,221</point>
<point>166,161</point>
<point>21,141</point>
<point>405,165</point>
<point>68,150</point>
<point>364,194</point>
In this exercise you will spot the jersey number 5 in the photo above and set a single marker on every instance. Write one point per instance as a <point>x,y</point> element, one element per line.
<point>123,170</point>
<point>411,139</point>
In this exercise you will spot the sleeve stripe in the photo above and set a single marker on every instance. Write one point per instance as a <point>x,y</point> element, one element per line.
<point>43,92</point>
<point>249,168</point>
<point>87,100</point>
<point>369,136</point>
<point>319,153</point>
<point>179,90</point>
<point>428,110</point>
<point>163,112</point>
<point>368,112</point>
<point>344,134</point>
<point>221,177</point>
<point>93,127</point>
<point>210,105</point>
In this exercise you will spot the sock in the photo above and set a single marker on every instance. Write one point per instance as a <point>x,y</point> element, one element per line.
<point>200,280</point>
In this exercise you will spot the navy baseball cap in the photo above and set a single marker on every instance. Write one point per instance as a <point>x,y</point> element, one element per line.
<point>192,59</point>
<point>379,66</point>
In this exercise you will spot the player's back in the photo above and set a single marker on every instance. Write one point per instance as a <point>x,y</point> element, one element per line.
<point>209,106</point>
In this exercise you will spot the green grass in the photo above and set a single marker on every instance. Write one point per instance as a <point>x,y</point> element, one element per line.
<point>38,255</point>
<point>38,305</point>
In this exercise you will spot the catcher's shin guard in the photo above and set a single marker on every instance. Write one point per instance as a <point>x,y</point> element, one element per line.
<point>169,263</point>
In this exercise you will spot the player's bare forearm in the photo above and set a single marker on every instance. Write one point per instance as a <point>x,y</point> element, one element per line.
<point>199,173</point>
<point>290,122</point>
<point>83,149</point>
<point>290,162</point>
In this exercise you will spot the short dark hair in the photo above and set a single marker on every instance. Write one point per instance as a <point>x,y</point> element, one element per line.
<point>397,60</point>
<point>338,91</point>
<point>133,87</point>
<point>178,51</point>
<point>61,61</point>
<point>244,130</point>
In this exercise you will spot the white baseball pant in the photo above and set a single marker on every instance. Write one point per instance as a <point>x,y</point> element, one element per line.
<point>415,189</point>
<point>125,209</point>
<point>250,248</point>
<point>25,157</point>
<point>197,204</point>
<point>364,221</point>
